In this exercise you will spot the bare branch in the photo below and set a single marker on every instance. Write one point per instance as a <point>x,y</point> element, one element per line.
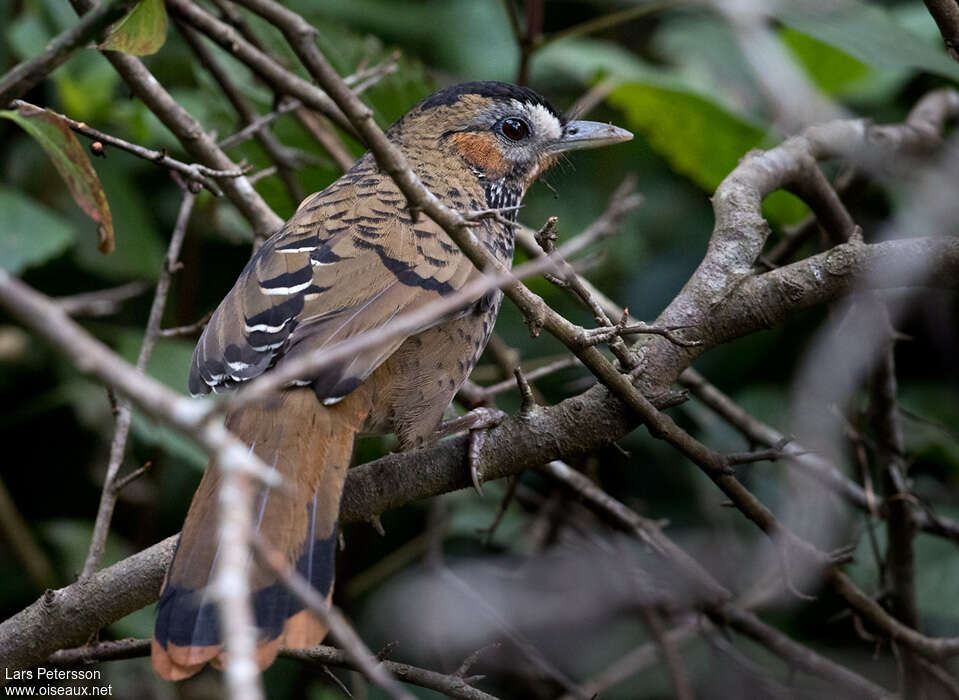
<point>193,172</point>
<point>124,410</point>
<point>191,135</point>
<point>279,155</point>
<point>103,302</point>
<point>20,79</point>
<point>453,685</point>
<point>715,599</point>
<point>946,14</point>
<point>900,524</point>
<point>334,620</point>
<point>271,72</point>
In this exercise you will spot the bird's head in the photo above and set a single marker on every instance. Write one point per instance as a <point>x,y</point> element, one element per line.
<point>502,134</point>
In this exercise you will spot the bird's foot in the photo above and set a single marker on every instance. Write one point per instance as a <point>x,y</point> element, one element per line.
<point>477,422</point>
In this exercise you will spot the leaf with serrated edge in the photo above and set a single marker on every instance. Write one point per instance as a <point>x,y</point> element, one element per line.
<point>71,161</point>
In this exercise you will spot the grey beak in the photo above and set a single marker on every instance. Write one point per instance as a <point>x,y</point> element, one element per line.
<point>578,135</point>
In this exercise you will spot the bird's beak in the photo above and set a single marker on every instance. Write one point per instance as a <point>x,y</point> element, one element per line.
<point>577,135</point>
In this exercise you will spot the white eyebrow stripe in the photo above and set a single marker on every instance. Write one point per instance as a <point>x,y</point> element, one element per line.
<point>546,121</point>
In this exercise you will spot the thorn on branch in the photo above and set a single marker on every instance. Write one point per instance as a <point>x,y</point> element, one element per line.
<point>387,651</point>
<point>842,555</point>
<point>535,319</point>
<point>772,454</point>
<point>470,660</point>
<point>787,573</point>
<point>121,484</point>
<point>527,399</point>
<point>337,682</point>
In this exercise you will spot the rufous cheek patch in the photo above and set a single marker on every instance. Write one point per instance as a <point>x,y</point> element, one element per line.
<point>482,152</point>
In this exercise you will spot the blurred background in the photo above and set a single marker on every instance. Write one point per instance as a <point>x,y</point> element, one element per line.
<point>700,85</point>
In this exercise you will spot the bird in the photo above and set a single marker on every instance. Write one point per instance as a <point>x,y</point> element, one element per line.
<point>351,258</point>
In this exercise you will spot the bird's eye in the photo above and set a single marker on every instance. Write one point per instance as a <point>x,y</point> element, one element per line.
<point>514,129</point>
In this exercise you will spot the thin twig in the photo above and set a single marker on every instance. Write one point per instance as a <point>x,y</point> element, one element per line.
<point>454,685</point>
<point>251,129</point>
<point>668,652</point>
<point>797,150</point>
<point>187,330</point>
<point>20,79</point>
<point>639,659</point>
<point>488,392</point>
<point>278,154</point>
<point>124,410</point>
<point>714,598</point>
<point>332,618</point>
<point>191,135</point>
<point>283,81</point>
<point>900,524</point>
<point>104,302</point>
<point>194,172</point>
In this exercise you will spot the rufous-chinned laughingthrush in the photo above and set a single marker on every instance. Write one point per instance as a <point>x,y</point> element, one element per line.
<point>349,260</point>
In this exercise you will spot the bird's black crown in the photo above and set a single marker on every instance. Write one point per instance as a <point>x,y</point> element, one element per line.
<point>491,89</point>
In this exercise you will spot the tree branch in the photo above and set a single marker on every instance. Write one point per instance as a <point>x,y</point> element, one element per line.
<point>124,411</point>
<point>191,135</point>
<point>20,79</point>
<point>946,15</point>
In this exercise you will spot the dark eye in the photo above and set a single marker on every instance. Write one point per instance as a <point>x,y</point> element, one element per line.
<point>514,129</point>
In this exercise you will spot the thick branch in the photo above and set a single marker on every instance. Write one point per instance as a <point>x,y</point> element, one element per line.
<point>453,685</point>
<point>544,434</point>
<point>740,231</point>
<point>946,14</point>
<point>68,616</point>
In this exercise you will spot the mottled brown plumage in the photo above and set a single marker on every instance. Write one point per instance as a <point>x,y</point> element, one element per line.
<point>349,260</point>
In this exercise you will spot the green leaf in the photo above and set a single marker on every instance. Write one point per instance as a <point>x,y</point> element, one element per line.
<point>142,32</point>
<point>831,69</point>
<point>71,161</point>
<point>31,234</point>
<point>698,138</point>
<point>699,134</point>
<point>867,33</point>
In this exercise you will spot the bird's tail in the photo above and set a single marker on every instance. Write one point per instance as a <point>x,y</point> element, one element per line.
<point>310,446</point>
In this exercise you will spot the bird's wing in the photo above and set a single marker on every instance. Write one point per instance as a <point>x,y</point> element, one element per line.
<point>348,261</point>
